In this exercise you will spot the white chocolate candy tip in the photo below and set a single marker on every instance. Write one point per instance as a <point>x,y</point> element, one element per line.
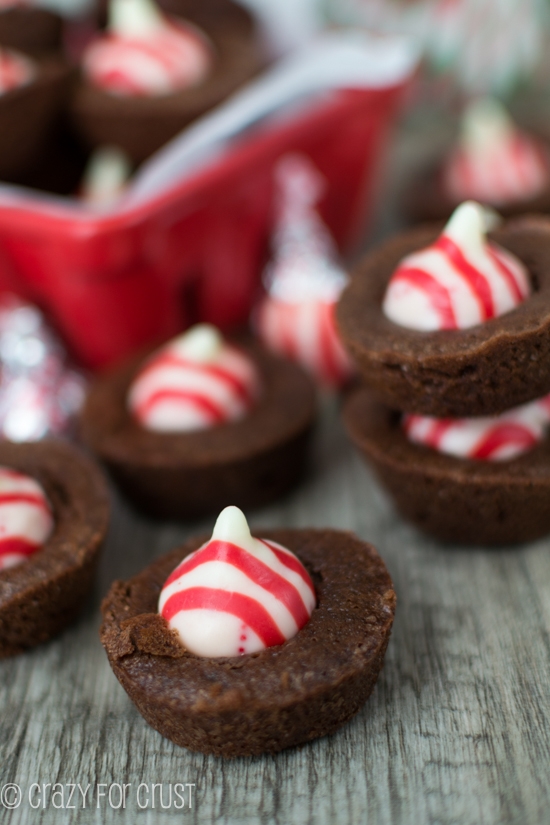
<point>467,224</point>
<point>484,123</point>
<point>201,343</point>
<point>231,525</point>
<point>106,174</point>
<point>134,18</point>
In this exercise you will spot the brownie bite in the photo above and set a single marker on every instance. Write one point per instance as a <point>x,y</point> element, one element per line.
<point>140,124</point>
<point>42,595</point>
<point>451,332</point>
<point>482,370</point>
<point>36,31</point>
<point>492,161</point>
<point>426,199</point>
<point>181,475</point>
<point>28,114</point>
<point>454,499</point>
<point>284,695</point>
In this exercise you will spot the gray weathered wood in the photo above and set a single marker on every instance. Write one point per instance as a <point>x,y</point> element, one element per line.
<point>457,730</point>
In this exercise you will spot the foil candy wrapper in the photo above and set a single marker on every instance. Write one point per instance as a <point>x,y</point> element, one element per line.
<point>303,281</point>
<point>39,393</point>
<point>304,265</point>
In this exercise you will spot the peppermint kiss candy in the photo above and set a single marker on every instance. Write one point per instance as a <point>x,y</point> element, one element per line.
<point>459,281</point>
<point>26,518</point>
<point>146,54</point>
<point>305,332</point>
<point>197,381</point>
<point>495,162</point>
<point>237,594</point>
<point>492,438</point>
<point>15,70</point>
<point>105,177</point>
<point>304,280</point>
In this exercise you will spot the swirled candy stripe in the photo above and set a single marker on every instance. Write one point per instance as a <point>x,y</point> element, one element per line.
<point>237,594</point>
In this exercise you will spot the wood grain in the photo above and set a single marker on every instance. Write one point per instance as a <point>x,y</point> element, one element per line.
<point>457,730</point>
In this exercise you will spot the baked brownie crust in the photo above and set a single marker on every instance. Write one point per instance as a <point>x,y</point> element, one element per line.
<point>482,370</point>
<point>263,702</point>
<point>32,30</point>
<point>180,475</point>
<point>456,500</point>
<point>27,115</point>
<point>39,597</point>
<point>426,200</point>
<point>141,125</point>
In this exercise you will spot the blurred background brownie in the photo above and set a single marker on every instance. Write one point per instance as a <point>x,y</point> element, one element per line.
<point>140,120</point>
<point>37,31</point>
<point>182,474</point>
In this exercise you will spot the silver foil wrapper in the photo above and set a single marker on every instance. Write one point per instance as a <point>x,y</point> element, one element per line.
<point>39,392</point>
<point>305,264</point>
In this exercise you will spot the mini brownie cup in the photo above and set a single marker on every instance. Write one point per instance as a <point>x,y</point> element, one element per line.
<point>27,115</point>
<point>263,702</point>
<point>248,463</point>
<point>31,30</point>
<point>454,499</point>
<point>483,370</point>
<point>426,199</point>
<point>44,594</point>
<point>141,125</point>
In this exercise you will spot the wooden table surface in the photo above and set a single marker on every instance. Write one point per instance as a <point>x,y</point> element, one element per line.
<point>456,731</point>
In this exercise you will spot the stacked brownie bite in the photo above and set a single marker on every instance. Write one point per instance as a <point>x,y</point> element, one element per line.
<point>451,332</point>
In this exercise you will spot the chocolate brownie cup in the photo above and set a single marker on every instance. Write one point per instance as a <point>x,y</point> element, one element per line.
<point>285,695</point>
<point>44,594</point>
<point>482,370</point>
<point>249,462</point>
<point>28,114</point>
<point>32,30</point>
<point>141,125</point>
<point>426,199</point>
<point>454,499</point>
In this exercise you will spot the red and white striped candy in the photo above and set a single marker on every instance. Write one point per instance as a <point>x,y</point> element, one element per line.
<point>304,279</point>
<point>459,281</point>
<point>495,162</point>
<point>237,594</point>
<point>491,438</point>
<point>197,381</point>
<point>305,332</point>
<point>153,56</point>
<point>26,519</point>
<point>15,70</point>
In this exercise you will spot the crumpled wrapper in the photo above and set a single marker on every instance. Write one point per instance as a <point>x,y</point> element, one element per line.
<point>39,393</point>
